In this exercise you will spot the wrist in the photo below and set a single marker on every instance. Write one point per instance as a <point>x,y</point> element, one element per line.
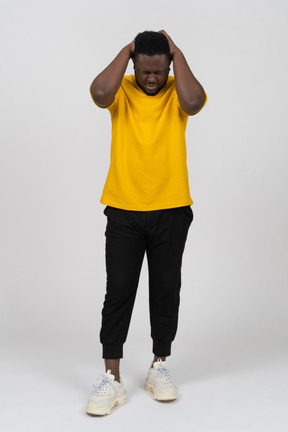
<point>126,51</point>
<point>175,52</point>
<point>130,48</point>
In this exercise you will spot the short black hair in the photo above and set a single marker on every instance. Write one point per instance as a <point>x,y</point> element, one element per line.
<point>151,43</point>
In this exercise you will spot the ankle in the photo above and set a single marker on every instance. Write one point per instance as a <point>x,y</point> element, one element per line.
<point>156,358</point>
<point>117,378</point>
<point>115,373</point>
<point>114,366</point>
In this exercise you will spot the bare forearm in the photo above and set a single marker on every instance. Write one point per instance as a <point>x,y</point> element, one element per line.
<point>190,92</point>
<point>105,85</point>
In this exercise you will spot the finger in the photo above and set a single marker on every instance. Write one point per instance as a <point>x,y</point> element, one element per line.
<point>167,36</point>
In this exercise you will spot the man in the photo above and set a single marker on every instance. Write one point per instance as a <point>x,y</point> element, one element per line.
<point>148,203</point>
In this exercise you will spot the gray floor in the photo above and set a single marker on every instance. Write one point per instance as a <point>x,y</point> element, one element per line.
<point>45,387</point>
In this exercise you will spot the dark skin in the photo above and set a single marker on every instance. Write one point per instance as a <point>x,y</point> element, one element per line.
<point>151,74</point>
<point>190,93</point>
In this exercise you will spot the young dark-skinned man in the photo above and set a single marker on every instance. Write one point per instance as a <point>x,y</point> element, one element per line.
<point>148,203</point>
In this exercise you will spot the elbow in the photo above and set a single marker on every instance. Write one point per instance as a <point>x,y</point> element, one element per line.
<point>195,105</point>
<point>98,96</point>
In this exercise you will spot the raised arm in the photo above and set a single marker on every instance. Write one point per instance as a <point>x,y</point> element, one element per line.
<point>190,93</point>
<point>104,87</point>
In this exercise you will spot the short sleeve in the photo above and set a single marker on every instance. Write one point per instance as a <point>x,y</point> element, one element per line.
<point>114,104</point>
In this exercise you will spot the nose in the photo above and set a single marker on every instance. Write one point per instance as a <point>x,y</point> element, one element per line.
<point>151,78</point>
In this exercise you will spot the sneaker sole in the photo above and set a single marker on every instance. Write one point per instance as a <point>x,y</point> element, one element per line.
<point>149,387</point>
<point>119,400</point>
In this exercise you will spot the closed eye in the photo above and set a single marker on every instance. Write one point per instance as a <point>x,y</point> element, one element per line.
<point>152,73</point>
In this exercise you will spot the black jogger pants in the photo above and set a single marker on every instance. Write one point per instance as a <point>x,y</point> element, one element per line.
<point>129,234</point>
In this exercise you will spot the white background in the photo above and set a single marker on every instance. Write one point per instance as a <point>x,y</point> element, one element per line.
<point>229,355</point>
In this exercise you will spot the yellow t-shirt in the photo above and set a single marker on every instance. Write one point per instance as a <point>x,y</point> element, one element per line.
<point>148,168</point>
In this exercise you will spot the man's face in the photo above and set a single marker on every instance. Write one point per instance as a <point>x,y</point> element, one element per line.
<point>151,72</point>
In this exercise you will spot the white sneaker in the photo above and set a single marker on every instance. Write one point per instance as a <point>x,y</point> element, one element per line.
<point>159,382</point>
<point>108,394</point>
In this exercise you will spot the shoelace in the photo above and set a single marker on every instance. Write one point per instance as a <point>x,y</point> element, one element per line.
<point>164,373</point>
<point>102,386</point>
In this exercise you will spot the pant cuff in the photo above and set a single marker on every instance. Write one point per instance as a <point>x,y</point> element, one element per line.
<point>161,349</point>
<point>112,351</point>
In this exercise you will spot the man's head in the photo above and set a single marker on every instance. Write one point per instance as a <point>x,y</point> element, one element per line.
<point>151,61</point>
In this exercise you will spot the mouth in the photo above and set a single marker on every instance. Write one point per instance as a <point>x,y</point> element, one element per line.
<point>151,87</point>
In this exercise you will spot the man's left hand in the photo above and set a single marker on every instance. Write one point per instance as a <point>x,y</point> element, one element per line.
<point>172,46</point>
